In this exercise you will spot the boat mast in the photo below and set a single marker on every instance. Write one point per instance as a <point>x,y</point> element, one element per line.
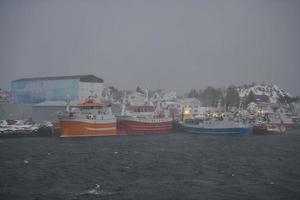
<point>68,101</point>
<point>68,106</point>
<point>123,106</point>
<point>157,107</point>
<point>147,96</point>
<point>240,105</point>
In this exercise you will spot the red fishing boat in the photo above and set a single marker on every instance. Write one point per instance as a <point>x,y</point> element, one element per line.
<point>138,123</point>
<point>264,128</point>
<point>283,118</point>
<point>277,118</point>
<point>143,119</point>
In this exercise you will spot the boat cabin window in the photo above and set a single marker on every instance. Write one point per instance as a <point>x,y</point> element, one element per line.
<point>143,109</point>
<point>193,121</point>
<point>90,107</point>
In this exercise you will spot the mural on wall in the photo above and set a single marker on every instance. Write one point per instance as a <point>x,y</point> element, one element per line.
<point>44,90</point>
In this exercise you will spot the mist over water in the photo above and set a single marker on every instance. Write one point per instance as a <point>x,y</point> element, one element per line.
<point>169,166</point>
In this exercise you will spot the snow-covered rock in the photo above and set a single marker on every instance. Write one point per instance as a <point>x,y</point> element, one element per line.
<point>272,92</point>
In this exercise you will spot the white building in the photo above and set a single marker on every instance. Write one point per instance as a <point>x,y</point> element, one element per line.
<point>169,96</point>
<point>194,105</point>
<point>135,98</point>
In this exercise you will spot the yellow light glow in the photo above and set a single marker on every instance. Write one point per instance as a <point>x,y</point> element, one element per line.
<point>215,115</point>
<point>186,112</point>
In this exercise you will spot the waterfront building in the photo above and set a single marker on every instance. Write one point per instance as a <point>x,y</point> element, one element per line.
<point>193,104</point>
<point>135,98</point>
<point>58,88</point>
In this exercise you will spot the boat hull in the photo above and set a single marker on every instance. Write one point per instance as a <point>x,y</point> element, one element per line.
<point>133,126</point>
<point>287,125</point>
<point>73,128</point>
<point>218,131</point>
<point>264,129</point>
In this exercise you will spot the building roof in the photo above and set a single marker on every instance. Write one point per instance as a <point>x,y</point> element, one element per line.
<point>55,103</point>
<point>82,78</point>
<point>193,101</point>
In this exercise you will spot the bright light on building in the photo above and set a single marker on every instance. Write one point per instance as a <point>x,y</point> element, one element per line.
<point>186,111</point>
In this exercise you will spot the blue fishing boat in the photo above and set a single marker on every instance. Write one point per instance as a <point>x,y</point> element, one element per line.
<point>216,126</point>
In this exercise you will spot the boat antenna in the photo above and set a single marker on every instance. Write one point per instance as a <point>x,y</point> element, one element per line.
<point>67,104</point>
<point>239,119</point>
<point>224,94</point>
<point>240,106</point>
<point>147,95</point>
<point>123,106</point>
<point>157,107</point>
<point>219,105</point>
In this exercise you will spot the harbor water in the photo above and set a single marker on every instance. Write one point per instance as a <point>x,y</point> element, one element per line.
<point>169,166</point>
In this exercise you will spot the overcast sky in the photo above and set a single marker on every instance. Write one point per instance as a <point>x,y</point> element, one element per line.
<point>171,44</point>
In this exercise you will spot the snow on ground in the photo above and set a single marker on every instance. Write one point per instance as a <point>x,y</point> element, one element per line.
<point>21,125</point>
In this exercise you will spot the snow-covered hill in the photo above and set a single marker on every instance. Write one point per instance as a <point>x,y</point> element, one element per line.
<point>272,92</point>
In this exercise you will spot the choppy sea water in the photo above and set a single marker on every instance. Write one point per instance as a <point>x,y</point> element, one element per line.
<point>170,166</point>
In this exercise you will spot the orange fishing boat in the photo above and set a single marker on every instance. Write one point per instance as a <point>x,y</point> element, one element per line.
<point>89,118</point>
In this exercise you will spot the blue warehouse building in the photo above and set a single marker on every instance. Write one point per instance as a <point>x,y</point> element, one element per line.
<point>60,88</point>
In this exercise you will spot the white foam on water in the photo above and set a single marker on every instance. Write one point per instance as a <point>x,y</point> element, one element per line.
<point>96,191</point>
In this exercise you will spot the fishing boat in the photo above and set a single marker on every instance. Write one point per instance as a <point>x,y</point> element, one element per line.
<point>216,123</point>
<point>139,122</point>
<point>296,122</point>
<point>281,118</point>
<point>89,118</point>
<point>216,126</point>
<point>143,119</point>
<point>269,124</point>
<point>277,119</point>
<point>264,128</point>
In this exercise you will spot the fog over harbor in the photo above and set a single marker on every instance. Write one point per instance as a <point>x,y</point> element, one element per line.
<point>175,45</point>
<point>141,99</point>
